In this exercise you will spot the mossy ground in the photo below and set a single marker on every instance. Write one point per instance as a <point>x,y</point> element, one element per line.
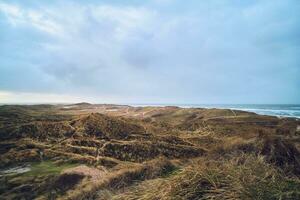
<point>17,185</point>
<point>45,168</point>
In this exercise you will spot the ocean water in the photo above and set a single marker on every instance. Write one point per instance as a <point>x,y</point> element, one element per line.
<point>279,110</point>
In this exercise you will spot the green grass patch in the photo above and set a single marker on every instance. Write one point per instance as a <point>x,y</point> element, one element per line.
<point>47,168</point>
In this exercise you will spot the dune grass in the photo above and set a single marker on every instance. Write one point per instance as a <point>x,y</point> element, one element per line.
<point>245,177</point>
<point>173,153</point>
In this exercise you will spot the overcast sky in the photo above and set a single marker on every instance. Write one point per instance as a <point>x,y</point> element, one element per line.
<point>151,51</point>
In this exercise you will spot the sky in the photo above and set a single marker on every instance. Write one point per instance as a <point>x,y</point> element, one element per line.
<point>150,52</point>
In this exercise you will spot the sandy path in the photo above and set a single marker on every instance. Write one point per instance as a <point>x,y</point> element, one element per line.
<point>94,173</point>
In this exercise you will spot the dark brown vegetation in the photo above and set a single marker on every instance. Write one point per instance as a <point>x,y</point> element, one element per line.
<point>147,153</point>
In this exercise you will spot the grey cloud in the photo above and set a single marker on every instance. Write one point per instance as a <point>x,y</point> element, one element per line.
<point>200,52</point>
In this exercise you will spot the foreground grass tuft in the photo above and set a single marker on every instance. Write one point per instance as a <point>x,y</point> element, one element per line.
<point>245,177</point>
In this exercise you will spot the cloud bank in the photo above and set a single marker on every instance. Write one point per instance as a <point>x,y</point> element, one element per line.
<point>152,52</point>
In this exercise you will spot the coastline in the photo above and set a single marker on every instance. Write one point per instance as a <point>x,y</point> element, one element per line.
<point>260,109</point>
<point>276,110</point>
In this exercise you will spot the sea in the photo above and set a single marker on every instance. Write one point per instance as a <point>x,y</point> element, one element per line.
<point>279,110</point>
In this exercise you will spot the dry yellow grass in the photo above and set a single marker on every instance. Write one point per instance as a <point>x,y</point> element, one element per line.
<point>120,179</point>
<point>220,154</point>
<point>245,177</point>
